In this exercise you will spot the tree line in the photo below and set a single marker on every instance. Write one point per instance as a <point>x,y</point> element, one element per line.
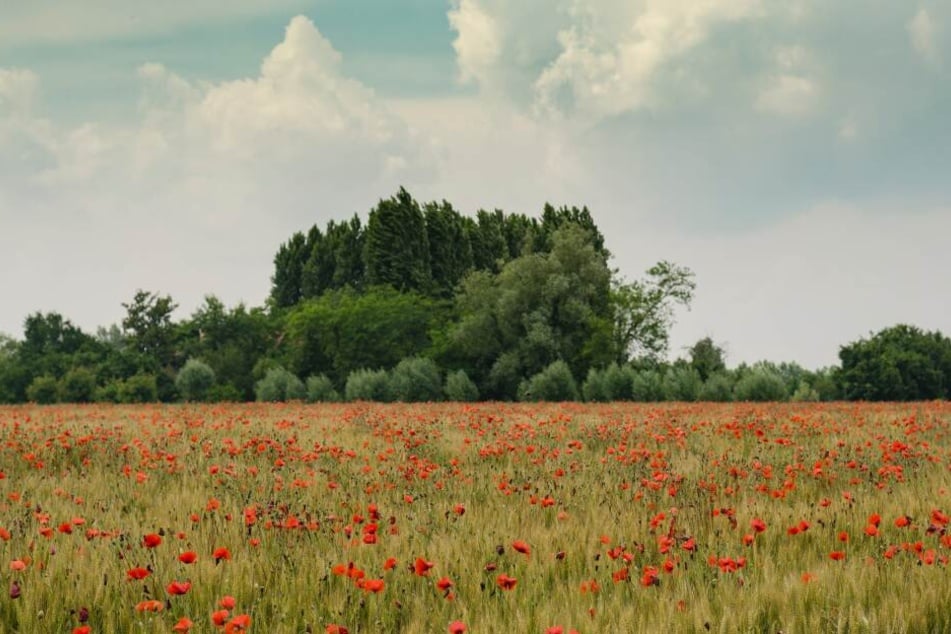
<point>423,303</point>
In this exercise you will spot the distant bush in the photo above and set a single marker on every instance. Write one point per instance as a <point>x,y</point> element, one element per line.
<point>594,389</point>
<point>77,386</point>
<point>194,380</point>
<point>648,386</point>
<point>224,393</point>
<point>415,380</point>
<point>682,384</point>
<point>140,388</point>
<point>320,389</point>
<point>805,393</point>
<point>554,383</point>
<point>460,388</point>
<point>108,393</point>
<point>619,382</point>
<point>368,385</point>
<point>760,385</point>
<point>43,390</point>
<point>279,385</point>
<point>718,388</point>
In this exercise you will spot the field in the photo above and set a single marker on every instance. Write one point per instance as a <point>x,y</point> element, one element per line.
<point>476,518</point>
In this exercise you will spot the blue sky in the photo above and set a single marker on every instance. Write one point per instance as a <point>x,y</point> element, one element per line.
<point>794,155</point>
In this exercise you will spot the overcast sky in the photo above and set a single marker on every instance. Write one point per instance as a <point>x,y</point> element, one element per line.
<point>796,155</point>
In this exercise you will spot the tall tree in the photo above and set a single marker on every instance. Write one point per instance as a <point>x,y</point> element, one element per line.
<point>149,329</point>
<point>450,253</point>
<point>707,358</point>
<point>397,251</point>
<point>288,271</point>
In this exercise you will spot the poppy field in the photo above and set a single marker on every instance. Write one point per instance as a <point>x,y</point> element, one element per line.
<point>548,518</point>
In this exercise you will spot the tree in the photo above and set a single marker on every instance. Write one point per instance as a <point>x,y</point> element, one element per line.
<point>901,363</point>
<point>707,358</point>
<point>288,271</point>
<point>460,388</point>
<point>450,253</point>
<point>416,380</point>
<point>554,383</point>
<point>78,385</point>
<point>396,248</point>
<point>279,385</point>
<point>148,327</point>
<point>644,309</point>
<point>194,380</point>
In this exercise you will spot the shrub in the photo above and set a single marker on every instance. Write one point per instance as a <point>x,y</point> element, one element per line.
<point>648,386</point>
<point>43,390</point>
<point>619,382</point>
<point>320,389</point>
<point>194,380</point>
<point>460,388</point>
<point>141,388</point>
<point>416,380</point>
<point>278,385</point>
<point>718,388</point>
<point>224,393</point>
<point>760,385</point>
<point>108,393</point>
<point>594,388</point>
<point>368,385</point>
<point>77,386</point>
<point>554,383</point>
<point>682,384</point>
<point>805,393</point>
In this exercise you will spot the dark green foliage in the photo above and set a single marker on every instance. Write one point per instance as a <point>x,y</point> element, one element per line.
<point>901,363</point>
<point>320,389</point>
<point>682,384</point>
<point>460,388</point>
<point>554,383</point>
<point>396,248</point>
<point>594,389</point>
<point>368,385</point>
<point>648,386</point>
<point>643,310</point>
<point>140,388</point>
<point>450,254</point>
<point>194,380</point>
<point>288,271</point>
<point>279,385</point>
<point>77,386</point>
<point>707,358</point>
<point>43,390</point>
<point>415,380</point>
<point>760,383</point>
<point>487,241</point>
<point>224,393</point>
<point>619,382</point>
<point>718,388</point>
<point>334,258</point>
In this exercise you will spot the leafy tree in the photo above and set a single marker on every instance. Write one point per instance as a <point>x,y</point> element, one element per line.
<point>760,383</point>
<point>415,380</point>
<point>901,363</point>
<point>194,380</point>
<point>396,248</point>
<point>707,358</point>
<point>460,388</point>
<point>644,309</point>
<point>619,382</point>
<point>648,386</point>
<point>487,241</point>
<point>718,388</point>
<point>288,271</point>
<point>594,388</point>
<point>554,383</point>
<point>450,253</point>
<point>140,388</point>
<point>682,384</point>
<point>43,390</point>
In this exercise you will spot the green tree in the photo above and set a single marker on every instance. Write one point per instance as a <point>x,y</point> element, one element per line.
<point>416,380</point>
<point>194,380</point>
<point>460,388</point>
<point>320,389</point>
<point>396,248</point>
<point>450,253</point>
<point>707,358</point>
<point>760,383</point>
<point>901,363</point>
<point>78,385</point>
<point>43,390</point>
<point>279,385</point>
<point>644,309</point>
<point>554,383</point>
<point>288,271</point>
<point>368,385</point>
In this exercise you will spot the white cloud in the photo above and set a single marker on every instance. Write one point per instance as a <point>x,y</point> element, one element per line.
<point>788,95</point>
<point>477,44</point>
<point>923,33</point>
<point>18,89</point>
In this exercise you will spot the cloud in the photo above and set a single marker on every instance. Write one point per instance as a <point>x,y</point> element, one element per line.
<point>788,95</point>
<point>922,31</point>
<point>477,45</point>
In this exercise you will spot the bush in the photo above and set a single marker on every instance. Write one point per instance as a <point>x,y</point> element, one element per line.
<point>320,389</point>
<point>554,383</point>
<point>805,393</point>
<point>194,380</point>
<point>416,380</point>
<point>77,386</point>
<point>141,388</point>
<point>43,390</point>
<point>594,389</point>
<point>224,393</point>
<point>760,385</point>
<point>619,382</point>
<point>279,385</point>
<point>718,388</point>
<point>682,384</point>
<point>648,386</point>
<point>108,393</point>
<point>460,388</point>
<point>368,385</point>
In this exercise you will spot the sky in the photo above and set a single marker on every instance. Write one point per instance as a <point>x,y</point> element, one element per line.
<point>795,155</point>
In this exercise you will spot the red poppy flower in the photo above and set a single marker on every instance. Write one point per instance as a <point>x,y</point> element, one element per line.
<point>184,625</point>
<point>837,555</point>
<point>219,617</point>
<point>227,602</point>
<point>520,546</point>
<point>389,564</point>
<point>506,582</point>
<point>758,525</point>
<point>151,540</point>
<point>151,605</point>
<point>422,567</point>
<point>135,574</point>
<point>221,553</point>
<point>240,623</point>
<point>82,629</point>
<point>178,587</point>
<point>457,627</point>
<point>188,557</point>
<point>444,584</point>
<point>336,629</point>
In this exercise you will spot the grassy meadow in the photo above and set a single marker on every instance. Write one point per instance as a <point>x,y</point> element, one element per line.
<point>476,518</point>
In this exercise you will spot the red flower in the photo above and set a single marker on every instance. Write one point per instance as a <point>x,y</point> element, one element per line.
<point>240,623</point>
<point>837,555</point>
<point>151,540</point>
<point>227,602</point>
<point>184,625</point>
<point>522,547</point>
<point>188,557</point>
<point>336,629</point>
<point>444,584</point>
<point>389,564</point>
<point>221,553</point>
<point>506,582</point>
<point>178,587</point>
<point>151,605</point>
<point>758,525</point>
<point>135,574</point>
<point>422,567</point>
<point>457,627</point>
<point>219,617</point>
<point>82,629</point>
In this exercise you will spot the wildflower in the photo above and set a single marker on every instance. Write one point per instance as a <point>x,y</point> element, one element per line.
<point>520,546</point>
<point>184,625</point>
<point>506,582</point>
<point>457,627</point>
<point>178,587</point>
<point>136,574</point>
<point>758,525</point>
<point>422,567</point>
<point>220,554</point>
<point>151,540</point>
<point>188,557</point>
<point>150,605</point>
<point>837,555</point>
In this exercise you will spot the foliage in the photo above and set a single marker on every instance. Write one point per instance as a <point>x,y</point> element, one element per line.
<point>43,390</point>
<point>718,388</point>
<point>707,358</point>
<point>760,383</point>
<point>460,388</point>
<point>396,248</point>
<point>368,385</point>
<point>279,385</point>
<point>594,388</point>
<point>901,363</point>
<point>554,383</point>
<point>78,385</point>
<point>139,388</point>
<point>415,380</point>
<point>194,380</point>
<point>647,386</point>
<point>320,389</point>
<point>682,384</point>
